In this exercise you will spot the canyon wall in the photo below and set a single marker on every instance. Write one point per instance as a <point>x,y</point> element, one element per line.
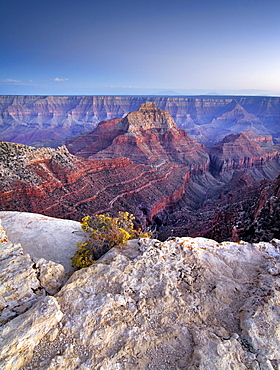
<point>50,120</point>
<point>55,183</point>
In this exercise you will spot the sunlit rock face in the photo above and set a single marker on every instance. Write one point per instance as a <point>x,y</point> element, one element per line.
<point>50,120</point>
<point>186,303</point>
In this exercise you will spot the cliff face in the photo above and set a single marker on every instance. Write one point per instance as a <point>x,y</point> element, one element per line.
<point>55,183</point>
<point>265,219</point>
<point>49,121</point>
<point>243,150</point>
<point>183,304</point>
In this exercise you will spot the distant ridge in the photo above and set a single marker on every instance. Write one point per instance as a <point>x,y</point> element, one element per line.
<point>168,93</point>
<point>50,120</point>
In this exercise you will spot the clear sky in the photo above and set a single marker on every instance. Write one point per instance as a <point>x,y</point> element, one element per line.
<point>90,47</point>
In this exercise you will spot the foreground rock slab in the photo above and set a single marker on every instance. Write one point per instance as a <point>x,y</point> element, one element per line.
<point>41,236</point>
<point>187,303</point>
<point>23,280</point>
<point>30,327</point>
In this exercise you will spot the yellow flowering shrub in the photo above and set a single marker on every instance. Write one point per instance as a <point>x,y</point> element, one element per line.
<point>103,233</point>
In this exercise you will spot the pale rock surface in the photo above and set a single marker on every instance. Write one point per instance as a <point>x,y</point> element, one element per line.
<point>19,337</point>
<point>187,303</point>
<point>22,280</point>
<point>45,237</point>
<point>50,274</point>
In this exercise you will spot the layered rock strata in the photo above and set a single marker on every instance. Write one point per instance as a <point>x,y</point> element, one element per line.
<point>185,303</point>
<point>49,120</point>
<point>148,135</point>
<point>243,150</point>
<point>55,183</point>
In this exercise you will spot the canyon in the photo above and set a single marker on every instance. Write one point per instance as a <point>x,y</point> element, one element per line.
<point>50,120</point>
<point>144,164</point>
<point>56,183</point>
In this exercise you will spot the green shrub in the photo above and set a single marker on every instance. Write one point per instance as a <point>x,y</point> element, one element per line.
<point>104,232</point>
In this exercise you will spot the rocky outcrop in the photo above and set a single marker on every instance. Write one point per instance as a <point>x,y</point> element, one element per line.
<point>148,135</point>
<point>24,280</point>
<point>49,120</point>
<point>185,303</point>
<point>56,239</point>
<point>244,150</point>
<point>22,334</point>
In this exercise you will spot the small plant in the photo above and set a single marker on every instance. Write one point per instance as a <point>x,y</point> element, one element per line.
<point>104,233</point>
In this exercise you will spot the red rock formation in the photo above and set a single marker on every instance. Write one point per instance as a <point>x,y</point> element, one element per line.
<point>148,135</point>
<point>244,150</point>
<point>212,206</point>
<point>56,183</point>
<point>94,141</point>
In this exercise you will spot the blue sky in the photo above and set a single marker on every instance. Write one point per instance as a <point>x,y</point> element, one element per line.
<point>89,47</point>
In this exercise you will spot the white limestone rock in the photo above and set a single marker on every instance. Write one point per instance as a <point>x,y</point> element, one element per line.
<point>188,303</point>
<point>19,337</point>
<point>43,237</point>
<point>260,319</point>
<point>19,285</point>
<point>51,275</point>
<point>22,281</point>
